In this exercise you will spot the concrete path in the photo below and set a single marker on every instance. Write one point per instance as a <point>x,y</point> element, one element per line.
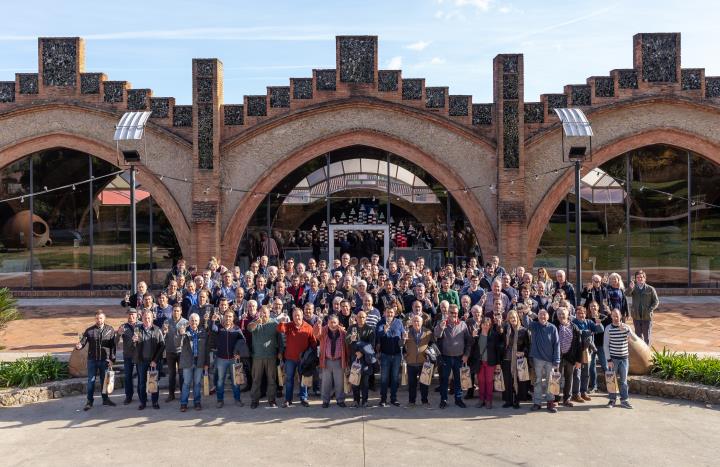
<point>657,432</point>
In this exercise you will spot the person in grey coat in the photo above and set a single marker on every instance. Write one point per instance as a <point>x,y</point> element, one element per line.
<point>171,329</point>
<point>194,358</point>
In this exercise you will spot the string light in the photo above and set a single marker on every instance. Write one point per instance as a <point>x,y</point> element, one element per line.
<point>73,187</point>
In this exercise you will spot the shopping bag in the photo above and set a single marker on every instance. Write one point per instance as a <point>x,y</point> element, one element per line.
<point>206,384</point>
<point>523,373</point>
<point>238,374</point>
<point>403,374</point>
<point>109,382</point>
<point>152,381</point>
<point>585,357</point>
<point>611,383</point>
<point>554,383</point>
<point>498,382</point>
<point>347,387</point>
<point>426,374</point>
<point>306,381</point>
<point>281,374</point>
<point>355,373</point>
<point>465,378</point>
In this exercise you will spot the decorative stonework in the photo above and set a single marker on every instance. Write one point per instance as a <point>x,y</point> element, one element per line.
<point>482,114</point>
<point>510,86</point>
<point>137,99</point>
<point>113,91</point>
<point>325,80</point>
<point>627,79</point>
<point>182,115</point>
<point>604,87</point>
<point>459,106</point>
<point>712,87</point>
<point>234,114</point>
<point>388,80</point>
<point>691,79</point>
<point>28,83</point>
<point>205,68</point>
<point>204,90</point>
<point>204,211</point>
<point>511,136</point>
<point>160,107</point>
<point>205,136</point>
<point>302,88</point>
<point>411,89</point>
<point>357,59</point>
<point>556,101</point>
<point>59,62</point>
<point>580,94</point>
<point>510,64</point>
<point>279,97</point>
<point>658,58</point>
<point>434,98</point>
<point>90,83</point>
<point>256,106</point>
<point>534,112</point>
<point>7,91</point>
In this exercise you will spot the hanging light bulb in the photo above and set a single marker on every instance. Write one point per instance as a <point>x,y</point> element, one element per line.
<point>22,199</point>
<point>45,188</point>
<point>537,177</point>
<point>642,188</point>
<point>669,197</point>
<point>161,177</point>
<point>73,187</point>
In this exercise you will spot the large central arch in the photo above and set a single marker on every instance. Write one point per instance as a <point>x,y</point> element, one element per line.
<point>442,172</point>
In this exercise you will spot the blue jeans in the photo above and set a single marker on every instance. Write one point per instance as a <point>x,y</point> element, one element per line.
<point>620,367</point>
<point>291,367</point>
<point>543,370</point>
<point>596,357</point>
<point>142,369</point>
<point>93,367</point>
<point>389,373</point>
<point>193,375</point>
<point>224,366</point>
<point>450,364</point>
<point>128,366</point>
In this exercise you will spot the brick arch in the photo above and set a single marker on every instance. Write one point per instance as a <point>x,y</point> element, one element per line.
<point>24,147</point>
<point>669,136</point>
<point>440,170</point>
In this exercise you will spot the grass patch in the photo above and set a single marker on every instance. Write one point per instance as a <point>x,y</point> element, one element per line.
<point>27,372</point>
<point>686,367</point>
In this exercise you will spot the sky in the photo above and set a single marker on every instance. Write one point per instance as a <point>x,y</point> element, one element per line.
<point>447,42</point>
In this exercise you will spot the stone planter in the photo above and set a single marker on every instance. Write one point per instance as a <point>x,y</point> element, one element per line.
<point>52,390</point>
<point>650,386</point>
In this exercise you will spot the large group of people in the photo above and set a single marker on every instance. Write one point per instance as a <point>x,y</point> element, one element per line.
<point>333,329</point>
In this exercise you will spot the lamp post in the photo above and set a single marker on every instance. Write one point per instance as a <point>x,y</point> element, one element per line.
<point>577,129</point>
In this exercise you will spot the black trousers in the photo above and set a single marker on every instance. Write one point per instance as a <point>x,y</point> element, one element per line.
<point>509,394</point>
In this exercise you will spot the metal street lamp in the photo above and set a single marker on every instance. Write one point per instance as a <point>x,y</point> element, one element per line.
<point>132,127</point>
<point>577,129</point>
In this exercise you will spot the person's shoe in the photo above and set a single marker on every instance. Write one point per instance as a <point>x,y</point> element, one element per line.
<point>507,405</point>
<point>170,398</point>
<point>325,405</point>
<point>287,404</point>
<point>109,403</point>
<point>610,404</point>
<point>220,404</point>
<point>272,404</point>
<point>480,404</point>
<point>585,397</point>
<point>356,404</point>
<point>254,405</point>
<point>443,404</point>
<point>127,401</point>
<point>395,403</point>
<point>626,405</point>
<point>382,404</point>
<point>239,403</point>
<point>460,403</point>
<point>411,405</point>
<point>304,403</point>
<point>88,406</point>
<point>516,405</point>
<point>341,405</point>
<point>427,405</point>
<point>592,390</point>
<point>567,403</point>
<point>141,406</point>
<point>535,407</point>
<point>156,405</point>
<point>470,394</point>
<point>577,398</point>
<point>551,407</point>
<point>363,405</point>
<point>488,405</point>
<point>183,408</point>
<point>198,407</point>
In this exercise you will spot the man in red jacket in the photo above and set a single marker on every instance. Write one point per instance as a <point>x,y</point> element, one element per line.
<point>298,338</point>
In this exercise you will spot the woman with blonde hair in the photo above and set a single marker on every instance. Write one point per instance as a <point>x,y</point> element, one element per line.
<point>544,277</point>
<point>616,295</point>
<point>517,344</point>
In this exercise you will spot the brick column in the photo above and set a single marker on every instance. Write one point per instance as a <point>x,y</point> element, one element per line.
<point>206,193</point>
<point>61,60</point>
<point>510,122</point>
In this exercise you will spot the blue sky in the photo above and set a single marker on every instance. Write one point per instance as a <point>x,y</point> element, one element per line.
<point>448,42</point>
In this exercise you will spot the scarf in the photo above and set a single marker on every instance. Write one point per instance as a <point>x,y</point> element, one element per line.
<point>195,337</point>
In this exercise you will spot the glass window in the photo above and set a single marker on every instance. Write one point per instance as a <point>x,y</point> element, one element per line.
<point>705,259</point>
<point>16,226</point>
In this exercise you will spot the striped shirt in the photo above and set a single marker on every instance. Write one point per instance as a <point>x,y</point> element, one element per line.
<point>373,317</point>
<point>616,341</point>
<point>566,336</point>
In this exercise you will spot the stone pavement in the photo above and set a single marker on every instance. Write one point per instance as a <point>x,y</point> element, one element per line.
<point>657,432</point>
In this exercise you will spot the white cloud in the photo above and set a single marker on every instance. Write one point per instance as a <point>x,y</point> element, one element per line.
<point>419,45</point>
<point>483,5</point>
<point>394,63</point>
<point>437,61</point>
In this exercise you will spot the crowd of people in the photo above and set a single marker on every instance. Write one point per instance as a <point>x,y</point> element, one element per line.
<point>332,329</point>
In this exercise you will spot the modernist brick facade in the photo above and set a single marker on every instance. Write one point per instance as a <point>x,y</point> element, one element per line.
<point>254,144</point>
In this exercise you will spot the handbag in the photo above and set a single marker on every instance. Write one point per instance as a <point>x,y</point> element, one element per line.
<point>498,382</point>
<point>426,374</point>
<point>109,382</point>
<point>523,373</point>
<point>465,378</point>
<point>432,353</point>
<point>347,387</point>
<point>403,373</point>
<point>238,374</point>
<point>554,383</point>
<point>206,384</point>
<point>355,373</point>
<point>611,383</point>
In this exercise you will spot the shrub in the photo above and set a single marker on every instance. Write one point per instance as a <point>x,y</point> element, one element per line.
<point>26,372</point>
<point>8,311</point>
<point>686,367</point>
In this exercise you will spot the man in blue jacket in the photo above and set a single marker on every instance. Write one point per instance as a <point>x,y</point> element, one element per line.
<point>389,340</point>
<point>545,352</point>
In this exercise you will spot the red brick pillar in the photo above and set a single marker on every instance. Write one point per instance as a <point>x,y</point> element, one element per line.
<point>61,60</point>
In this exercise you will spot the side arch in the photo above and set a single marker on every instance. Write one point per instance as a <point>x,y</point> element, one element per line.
<point>441,171</point>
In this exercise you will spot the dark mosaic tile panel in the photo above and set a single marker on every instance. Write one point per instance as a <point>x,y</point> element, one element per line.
<point>205,136</point>
<point>28,83</point>
<point>234,114</point>
<point>205,68</point>
<point>90,83</point>
<point>556,101</point>
<point>691,79</point>
<point>534,112</point>
<point>7,91</point>
<point>160,107</point>
<point>604,87</point>
<point>325,80</point>
<point>434,98</point>
<point>412,89</point>
<point>658,57</point>
<point>357,60</point>
<point>627,79</point>
<point>388,80</point>
<point>712,87</point>
<point>302,88</point>
<point>59,62</point>
<point>580,95</point>
<point>482,114</point>
<point>459,106</point>
<point>204,211</point>
<point>113,91</point>
<point>182,115</point>
<point>204,90</point>
<point>256,106</point>
<point>510,86</point>
<point>510,64</point>
<point>137,99</point>
<point>511,135</point>
<point>512,211</point>
<point>280,97</point>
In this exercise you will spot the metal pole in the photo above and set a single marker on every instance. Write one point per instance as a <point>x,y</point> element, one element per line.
<point>578,226</point>
<point>327,208</point>
<point>628,191</point>
<point>133,233</point>
<point>387,220</point>
<point>567,234</point>
<point>449,232</point>
<point>29,241</point>
<point>91,227</point>
<point>689,219</point>
<point>150,239</point>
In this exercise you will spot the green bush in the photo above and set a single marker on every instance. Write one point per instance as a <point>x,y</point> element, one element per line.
<point>686,367</point>
<point>26,372</point>
<point>8,311</point>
